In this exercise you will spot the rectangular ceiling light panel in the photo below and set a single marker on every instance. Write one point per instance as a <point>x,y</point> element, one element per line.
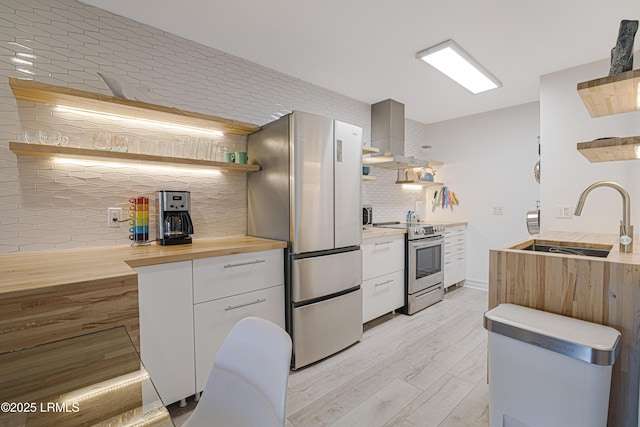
<point>451,60</point>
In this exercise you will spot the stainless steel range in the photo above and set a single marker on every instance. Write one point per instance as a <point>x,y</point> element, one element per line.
<point>424,265</point>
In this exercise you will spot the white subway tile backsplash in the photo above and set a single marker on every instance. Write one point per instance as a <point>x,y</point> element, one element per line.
<point>17,241</point>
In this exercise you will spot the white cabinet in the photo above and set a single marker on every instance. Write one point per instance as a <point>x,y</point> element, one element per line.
<point>188,307</point>
<point>166,328</point>
<point>227,289</point>
<point>455,263</point>
<point>383,276</point>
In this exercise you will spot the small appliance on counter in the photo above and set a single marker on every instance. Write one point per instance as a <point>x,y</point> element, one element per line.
<point>367,215</point>
<point>174,222</point>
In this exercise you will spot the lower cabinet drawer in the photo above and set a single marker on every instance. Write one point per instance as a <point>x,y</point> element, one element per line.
<point>381,255</point>
<point>382,295</point>
<point>454,251</point>
<point>325,327</point>
<point>214,319</point>
<point>220,277</point>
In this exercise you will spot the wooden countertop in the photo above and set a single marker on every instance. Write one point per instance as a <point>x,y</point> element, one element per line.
<point>451,223</point>
<point>373,232</point>
<point>595,240</point>
<point>25,272</point>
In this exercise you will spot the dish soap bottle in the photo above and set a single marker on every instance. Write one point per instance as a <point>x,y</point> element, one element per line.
<point>411,217</point>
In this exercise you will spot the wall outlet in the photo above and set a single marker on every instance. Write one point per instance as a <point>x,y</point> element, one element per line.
<point>114,215</point>
<point>564,211</point>
<point>498,210</point>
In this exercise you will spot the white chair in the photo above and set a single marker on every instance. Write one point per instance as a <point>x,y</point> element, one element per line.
<point>247,385</point>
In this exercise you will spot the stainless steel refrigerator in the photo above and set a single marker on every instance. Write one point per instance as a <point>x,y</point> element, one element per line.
<point>307,193</point>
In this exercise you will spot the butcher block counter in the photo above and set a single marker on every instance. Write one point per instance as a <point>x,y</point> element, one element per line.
<point>45,296</point>
<point>600,290</point>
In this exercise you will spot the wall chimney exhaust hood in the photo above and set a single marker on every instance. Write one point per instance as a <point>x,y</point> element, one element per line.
<point>387,135</point>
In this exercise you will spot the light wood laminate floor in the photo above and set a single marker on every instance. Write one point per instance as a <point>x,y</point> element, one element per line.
<point>424,370</point>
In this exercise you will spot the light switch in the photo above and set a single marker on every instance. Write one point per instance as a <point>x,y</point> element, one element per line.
<point>564,211</point>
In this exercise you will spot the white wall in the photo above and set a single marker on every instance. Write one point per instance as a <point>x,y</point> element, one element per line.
<point>489,161</point>
<point>564,122</point>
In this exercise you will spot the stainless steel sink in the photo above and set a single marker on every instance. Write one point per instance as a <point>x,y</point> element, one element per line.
<point>566,250</point>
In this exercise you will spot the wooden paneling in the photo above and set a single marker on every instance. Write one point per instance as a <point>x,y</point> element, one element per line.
<point>39,316</point>
<point>597,290</point>
<point>31,91</point>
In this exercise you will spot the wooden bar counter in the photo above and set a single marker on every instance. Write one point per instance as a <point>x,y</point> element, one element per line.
<point>599,290</point>
<point>46,296</point>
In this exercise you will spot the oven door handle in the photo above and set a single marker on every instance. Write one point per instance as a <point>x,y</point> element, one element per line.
<point>434,242</point>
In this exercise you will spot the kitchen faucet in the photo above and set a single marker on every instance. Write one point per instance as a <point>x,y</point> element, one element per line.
<point>626,229</point>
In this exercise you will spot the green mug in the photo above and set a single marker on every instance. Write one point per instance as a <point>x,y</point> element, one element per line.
<point>230,157</point>
<point>241,157</point>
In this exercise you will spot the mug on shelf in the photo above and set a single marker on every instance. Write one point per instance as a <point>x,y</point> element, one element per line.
<point>230,157</point>
<point>241,157</point>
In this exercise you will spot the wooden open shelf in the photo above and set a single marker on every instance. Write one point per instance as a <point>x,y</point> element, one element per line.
<point>54,151</point>
<point>369,150</point>
<point>369,178</point>
<point>610,149</point>
<point>31,91</point>
<point>422,183</point>
<point>612,94</point>
<point>394,162</point>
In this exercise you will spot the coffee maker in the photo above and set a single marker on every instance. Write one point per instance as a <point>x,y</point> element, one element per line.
<point>174,222</point>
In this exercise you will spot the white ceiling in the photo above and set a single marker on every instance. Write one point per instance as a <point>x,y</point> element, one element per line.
<point>366,49</point>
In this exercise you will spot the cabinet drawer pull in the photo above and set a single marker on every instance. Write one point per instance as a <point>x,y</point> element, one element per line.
<point>383,243</point>
<point>258,261</point>
<point>233,307</point>
<point>383,283</point>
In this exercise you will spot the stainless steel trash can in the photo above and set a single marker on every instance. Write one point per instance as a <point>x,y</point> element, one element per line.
<point>547,370</point>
